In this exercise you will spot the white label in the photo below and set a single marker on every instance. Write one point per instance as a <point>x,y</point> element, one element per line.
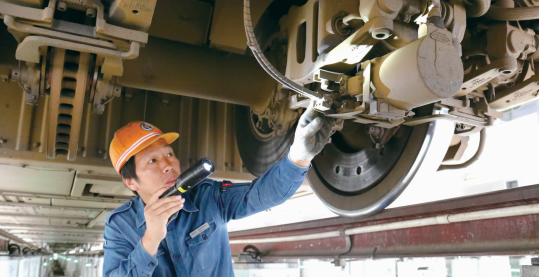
<point>199,230</point>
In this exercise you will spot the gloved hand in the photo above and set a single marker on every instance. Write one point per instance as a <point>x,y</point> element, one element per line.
<point>311,136</point>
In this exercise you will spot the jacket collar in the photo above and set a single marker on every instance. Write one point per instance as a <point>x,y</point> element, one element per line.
<point>188,206</point>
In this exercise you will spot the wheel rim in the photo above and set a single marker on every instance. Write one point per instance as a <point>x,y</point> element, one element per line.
<point>375,198</point>
<point>260,127</point>
<point>258,154</point>
<point>355,173</point>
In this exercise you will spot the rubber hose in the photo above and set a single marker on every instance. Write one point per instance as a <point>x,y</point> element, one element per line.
<point>252,43</point>
<point>535,56</point>
<point>482,139</point>
<point>513,14</point>
<point>476,8</point>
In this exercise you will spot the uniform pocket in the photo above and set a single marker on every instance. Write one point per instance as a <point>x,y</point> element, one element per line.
<point>204,247</point>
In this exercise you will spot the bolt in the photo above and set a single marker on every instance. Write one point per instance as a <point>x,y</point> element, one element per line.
<point>61,6</point>
<point>3,140</point>
<point>36,144</point>
<point>90,13</point>
<point>100,151</point>
<point>227,164</point>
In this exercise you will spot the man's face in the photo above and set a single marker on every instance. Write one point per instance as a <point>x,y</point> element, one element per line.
<point>156,167</point>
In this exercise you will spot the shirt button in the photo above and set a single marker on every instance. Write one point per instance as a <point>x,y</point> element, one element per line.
<point>304,173</point>
<point>204,237</point>
<point>176,257</point>
<point>150,264</point>
<point>169,229</point>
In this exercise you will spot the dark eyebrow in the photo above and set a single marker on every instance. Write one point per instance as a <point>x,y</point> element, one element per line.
<point>149,153</point>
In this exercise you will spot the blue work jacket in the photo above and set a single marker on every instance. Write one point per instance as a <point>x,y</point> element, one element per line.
<point>196,243</point>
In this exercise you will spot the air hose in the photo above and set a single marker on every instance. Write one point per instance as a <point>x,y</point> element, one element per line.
<point>513,14</point>
<point>263,61</point>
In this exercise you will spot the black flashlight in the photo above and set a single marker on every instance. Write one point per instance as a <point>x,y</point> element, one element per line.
<point>190,178</point>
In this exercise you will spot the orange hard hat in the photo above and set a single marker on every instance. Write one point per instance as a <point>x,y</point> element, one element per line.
<point>133,138</point>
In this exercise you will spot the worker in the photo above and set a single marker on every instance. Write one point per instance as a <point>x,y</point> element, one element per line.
<point>148,236</point>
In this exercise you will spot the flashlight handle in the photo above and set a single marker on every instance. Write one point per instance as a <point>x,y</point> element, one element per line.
<point>190,178</point>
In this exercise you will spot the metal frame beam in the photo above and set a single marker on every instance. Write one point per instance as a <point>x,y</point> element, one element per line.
<point>508,235</point>
<point>119,200</point>
<point>65,238</point>
<point>14,238</point>
<point>20,204</point>
<point>47,227</point>
<point>47,216</point>
<point>16,231</point>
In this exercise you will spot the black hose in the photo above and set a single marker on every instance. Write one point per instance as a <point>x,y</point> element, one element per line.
<point>252,43</point>
<point>482,139</point>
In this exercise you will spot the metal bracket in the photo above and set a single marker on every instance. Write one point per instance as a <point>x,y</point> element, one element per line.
<point>373,107</point>
<point>28,49</point>
<point>338,261</point>
<point>430,118</point>
<point>250,256</point>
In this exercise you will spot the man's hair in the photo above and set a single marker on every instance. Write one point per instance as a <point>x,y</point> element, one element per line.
<point>129,171</point>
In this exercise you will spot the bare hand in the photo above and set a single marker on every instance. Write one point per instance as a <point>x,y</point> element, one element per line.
<point>157,212</point>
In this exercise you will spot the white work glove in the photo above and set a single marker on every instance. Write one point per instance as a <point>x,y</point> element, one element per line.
<point>311,136</point>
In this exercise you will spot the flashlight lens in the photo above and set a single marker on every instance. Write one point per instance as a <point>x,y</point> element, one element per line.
<point>207,166</point>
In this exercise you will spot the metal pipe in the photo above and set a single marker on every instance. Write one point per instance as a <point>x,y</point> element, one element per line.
<point>482,139</point>
<point>476,8</point>
<point>429,221</point>
<point>188,70</point>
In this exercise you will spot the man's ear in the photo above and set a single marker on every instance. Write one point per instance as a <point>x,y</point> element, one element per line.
<point>131,184</point>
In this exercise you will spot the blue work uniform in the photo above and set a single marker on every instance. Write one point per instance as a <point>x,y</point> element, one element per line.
<point>196,243</point>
